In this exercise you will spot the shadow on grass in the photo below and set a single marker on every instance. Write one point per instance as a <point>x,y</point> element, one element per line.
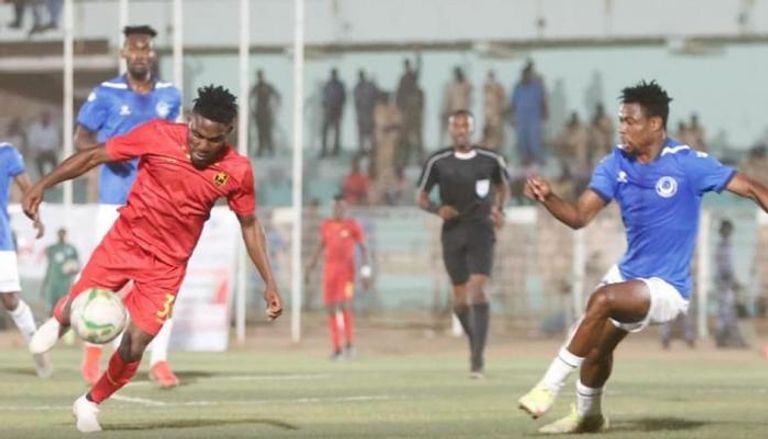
<point>656,424</point>
<point>196,423</point>
<point>28,371</point>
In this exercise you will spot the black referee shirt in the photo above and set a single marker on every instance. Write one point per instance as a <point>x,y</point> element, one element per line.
<point>466,180</point>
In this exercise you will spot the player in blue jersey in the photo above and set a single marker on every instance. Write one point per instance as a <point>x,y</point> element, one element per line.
<point>113,108</point>
<point>12,170</point>
<point>658,184</point>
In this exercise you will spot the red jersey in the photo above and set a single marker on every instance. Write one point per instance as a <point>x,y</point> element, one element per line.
<point>339,238</point>
<point>171,199</point>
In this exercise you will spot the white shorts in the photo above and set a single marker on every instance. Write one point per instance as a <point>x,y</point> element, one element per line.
<point>9,272</point>
<point>666,302</point>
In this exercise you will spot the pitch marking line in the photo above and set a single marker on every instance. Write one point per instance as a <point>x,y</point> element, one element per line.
<point>305,377</point>
<point>149,402</point>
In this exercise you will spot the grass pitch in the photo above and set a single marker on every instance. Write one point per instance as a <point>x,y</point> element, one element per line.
<point>390,391</point>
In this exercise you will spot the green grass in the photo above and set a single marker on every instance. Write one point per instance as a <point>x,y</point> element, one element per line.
<point>296,393</point>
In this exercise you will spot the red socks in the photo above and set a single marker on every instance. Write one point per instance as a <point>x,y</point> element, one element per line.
<point>117,375</point>
<point>348,322</point>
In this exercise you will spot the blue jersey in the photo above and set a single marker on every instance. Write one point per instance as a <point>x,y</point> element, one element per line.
<point>113,109</point>
<point>11,165</point>
<point>660,203</point>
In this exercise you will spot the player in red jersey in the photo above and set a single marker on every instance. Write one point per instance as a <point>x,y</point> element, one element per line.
<point>183,170</point>
<point>338,237</point>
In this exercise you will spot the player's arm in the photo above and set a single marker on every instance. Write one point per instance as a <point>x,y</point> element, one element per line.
<point>256,245</point>
<point>86,139</point>
<point>573,215</point>
<point>747,187</point>
<point>444,211</point>
<point>501,197</point>
<point>24,183</point>
<point>365,269</point>
<point>313,260</point>
<point>76,165</point>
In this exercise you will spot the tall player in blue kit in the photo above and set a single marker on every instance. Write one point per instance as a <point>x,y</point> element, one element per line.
<point>114,108</point>
<point>658,184</point>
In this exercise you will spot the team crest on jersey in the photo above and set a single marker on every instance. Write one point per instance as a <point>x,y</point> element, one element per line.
<point>666,187</point>
<point>125,110</point>
<point>482,187</point>
<point>220,178</point>
<point>162,109</point>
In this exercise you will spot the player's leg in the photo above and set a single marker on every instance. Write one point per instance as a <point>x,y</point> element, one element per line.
<point>331,298</point>
<point>587,415</point>
<point>478,322</point>
<point>90,366</point>
<point>159,368</point>
<point>349,329</point>
<point>455,260</point>
<point>626,302</point>
<point>479,263</point>
<point>20,312</point>
<point>122,367</point>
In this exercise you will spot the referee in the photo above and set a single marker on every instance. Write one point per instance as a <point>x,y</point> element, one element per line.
<point>473,186</point>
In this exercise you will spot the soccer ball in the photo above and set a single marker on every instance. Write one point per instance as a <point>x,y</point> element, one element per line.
<point>98,315</point>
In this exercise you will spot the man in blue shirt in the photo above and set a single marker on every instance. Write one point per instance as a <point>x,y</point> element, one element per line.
<point>12,169</point>
<point>113,108</point>
<point>529,111</point>
<point>658,183</point>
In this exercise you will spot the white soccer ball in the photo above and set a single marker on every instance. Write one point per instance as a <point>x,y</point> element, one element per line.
<point>98,315</point>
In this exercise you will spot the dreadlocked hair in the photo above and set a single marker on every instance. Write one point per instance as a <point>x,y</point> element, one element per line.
<point>651,97</point>
<point>216,103</point>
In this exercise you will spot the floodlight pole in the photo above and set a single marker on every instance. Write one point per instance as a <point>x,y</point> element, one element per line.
<point>242,147</point>
<point>69,88</point>
<point>298,157</point>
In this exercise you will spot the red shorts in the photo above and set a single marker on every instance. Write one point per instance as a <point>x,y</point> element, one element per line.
<point>338,285</point>
<point>119,259</point>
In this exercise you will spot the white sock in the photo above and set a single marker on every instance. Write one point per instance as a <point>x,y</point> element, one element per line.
<point>159,345</point>
<point>22,317</point>
<point>561,367</point>
<point>588,400</point>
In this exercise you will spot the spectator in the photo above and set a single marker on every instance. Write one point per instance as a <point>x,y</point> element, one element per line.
<point>51,8</point>
<point>686,322</point>
<point>683,134</point>
<point>495,106</point>
<point>18,13</point>
<point>756,165</point>
<point>457,96</point>
<point>696,134</point>
<point>601,134</point>
<point>410,103</point>
<point>63,265</point>
<point>264,101</point>
<point>44,142</point>
<point>572,146</point>
<point>529,111</point>
<point>727,333</point>
<point>14,134</point>
<point>355,187</point>
<point>401,191</point>
<point>334,96</point>
<point>389,127</point>
<point>365,94</point>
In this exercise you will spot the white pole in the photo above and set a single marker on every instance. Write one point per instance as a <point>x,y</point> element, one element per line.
<point>242,146</point>
<point>178,45</point>
<point>122,13</point>
<point>298,150</point>
<point>703,273</point>
<point>69,76</point>
<point>578,270</point>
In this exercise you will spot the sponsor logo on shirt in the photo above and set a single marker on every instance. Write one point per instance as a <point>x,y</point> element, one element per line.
<point>162,109</point>
<point>220,178</point>
<point>622,178</point>
<point>666,187</point>
<point>125,110</point>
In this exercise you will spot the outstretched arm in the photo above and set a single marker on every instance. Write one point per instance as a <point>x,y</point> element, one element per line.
<point>256,245</point>
<point>746,187</point>
<point>76,165</point>
<point>572,215</point>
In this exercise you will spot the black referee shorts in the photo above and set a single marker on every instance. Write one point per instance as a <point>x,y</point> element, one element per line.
<point>468,249</point>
